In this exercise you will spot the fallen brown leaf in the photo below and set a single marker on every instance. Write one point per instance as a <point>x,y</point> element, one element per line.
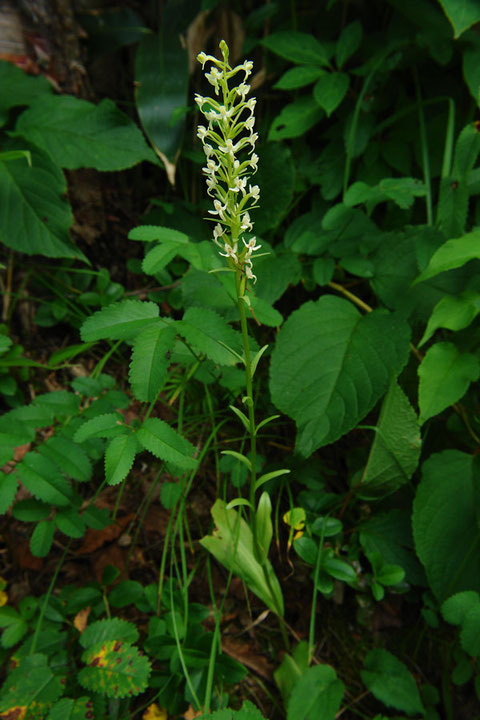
<point>95,539</point>
<point>245,653</point>
<point>81,619</point>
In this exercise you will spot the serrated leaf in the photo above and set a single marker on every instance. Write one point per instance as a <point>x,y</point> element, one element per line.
<point>456,607</point>
<point>61,402</point>
<point>298,47</point>
<point>461,13</point>
<point>70,523</point>
<point>203,329</point>
<point>114,668</point>
<point>70,458</point>
<point>78,134</point>
<point>8,490</point>
<point>453,254</point>
<point>150,360</point>
<point>396,447</point>
<point>359,355</point>
<point>165,443</point>
<point>389,681</point>
<point>68,709</point>
<point>120,321</point>
<point>31,510</point>
<point>103,631</point>
<point>107,425</point>
<point>445,525</point>
<point>35,217</point>
<point>317,694</point>
<point>42,538</point>
<point>445,375</point>
<point>119,457</point>
<point>29,685</point>
<point>330,90</point>
<point>43,480</point>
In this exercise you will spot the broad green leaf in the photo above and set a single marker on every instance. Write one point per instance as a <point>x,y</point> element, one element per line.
<point>298,77</point>
<point>30,686</point>
<point>158,257</point>
<point>298,47</point>
<point>70,523</point>
<point>471,71</point>
<point>43,479</point>
<point>119,457</point>
<point>295,119</point>
<point>248,711</point>
<point>106,630</point>
<point>61,403</point>
<point>291,669</point>
<point>34,216</point>
<point>68,709</point>
<point>165,443</point>
<point>31,510</point>
<point>396,447</point>
<point>161,75</point>
<point>445,526</point>
<point>69,457</point>
<point>348,43</point>
<point>402,191</point>
<point>330,90</point>
<point>232,545</point>
<point>19,88</point>
<point>276,178</point>
<point>389,680</point>
<point>78,134</point>
<point>114,668</point>
<point>42,538</point>
<point>204,330</point>
<point>453,254</point>
<point>461,13</point>
<point>389,536</point>
<point>445,375</point>
<point>150,360</point>
<point>470,632</point>
<point>317,694</point>
<point>455,609</point>
<point>330,365</point>
<point>119,321</point>
<point>103,426</point>
<point>149,233</point>
<point>453,313</point>
<point>8,490</point>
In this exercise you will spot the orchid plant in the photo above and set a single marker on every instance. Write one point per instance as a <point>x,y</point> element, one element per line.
<point>229,146</point>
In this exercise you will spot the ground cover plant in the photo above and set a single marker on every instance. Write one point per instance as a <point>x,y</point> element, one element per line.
<point>240,430</point>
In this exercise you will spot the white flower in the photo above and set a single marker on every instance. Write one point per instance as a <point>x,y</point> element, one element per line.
<point>247,67</point>
<point>242,90</point>
<point>254,192</point>
<point>218,231</point>
<point>239,184</point>
<point>250,122</point>
<point>211,185</point>
<point>199,99</point>
<point>230,252</point>
<point>211,168</point>
<point>254,162</point>
<point>219,209</point>
<point>246,222</point>
<point>249,273</point>
<point>251,247</point>
<point>229,147</point>
<point>252,139</point>
<point>207,149</point>
<point>202,132</point>
<point>250,104</point>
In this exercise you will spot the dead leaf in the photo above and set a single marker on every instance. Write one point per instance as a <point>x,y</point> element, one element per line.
<point>153,712</point>
<point>112,555</point>
<point>191,714</point>
<point>245,653</point>
<point>81,619</point>
<point>95,539</point>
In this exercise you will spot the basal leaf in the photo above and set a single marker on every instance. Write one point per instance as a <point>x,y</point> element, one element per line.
<point>396,447</point>
<point>445,526</point>
<point>43,480</point>
<point>298,47</point>
<point>165,443</point>
<point>205,331</point>
<point>78,134</point>
<point>330,365</point>
<point>317,694</point>
<point>119,457</point>
<point>119,321</point>
<point>453,254</point>
<point>389,680</point>
<point>150,360</point>
<point>445,375</point>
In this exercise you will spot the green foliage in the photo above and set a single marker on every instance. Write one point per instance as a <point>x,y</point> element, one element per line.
<point>318,693</point>
<point>165,443</point>
<point>390,681</point>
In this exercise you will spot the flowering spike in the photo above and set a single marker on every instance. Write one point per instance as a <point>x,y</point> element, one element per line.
<point>230,131</point>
